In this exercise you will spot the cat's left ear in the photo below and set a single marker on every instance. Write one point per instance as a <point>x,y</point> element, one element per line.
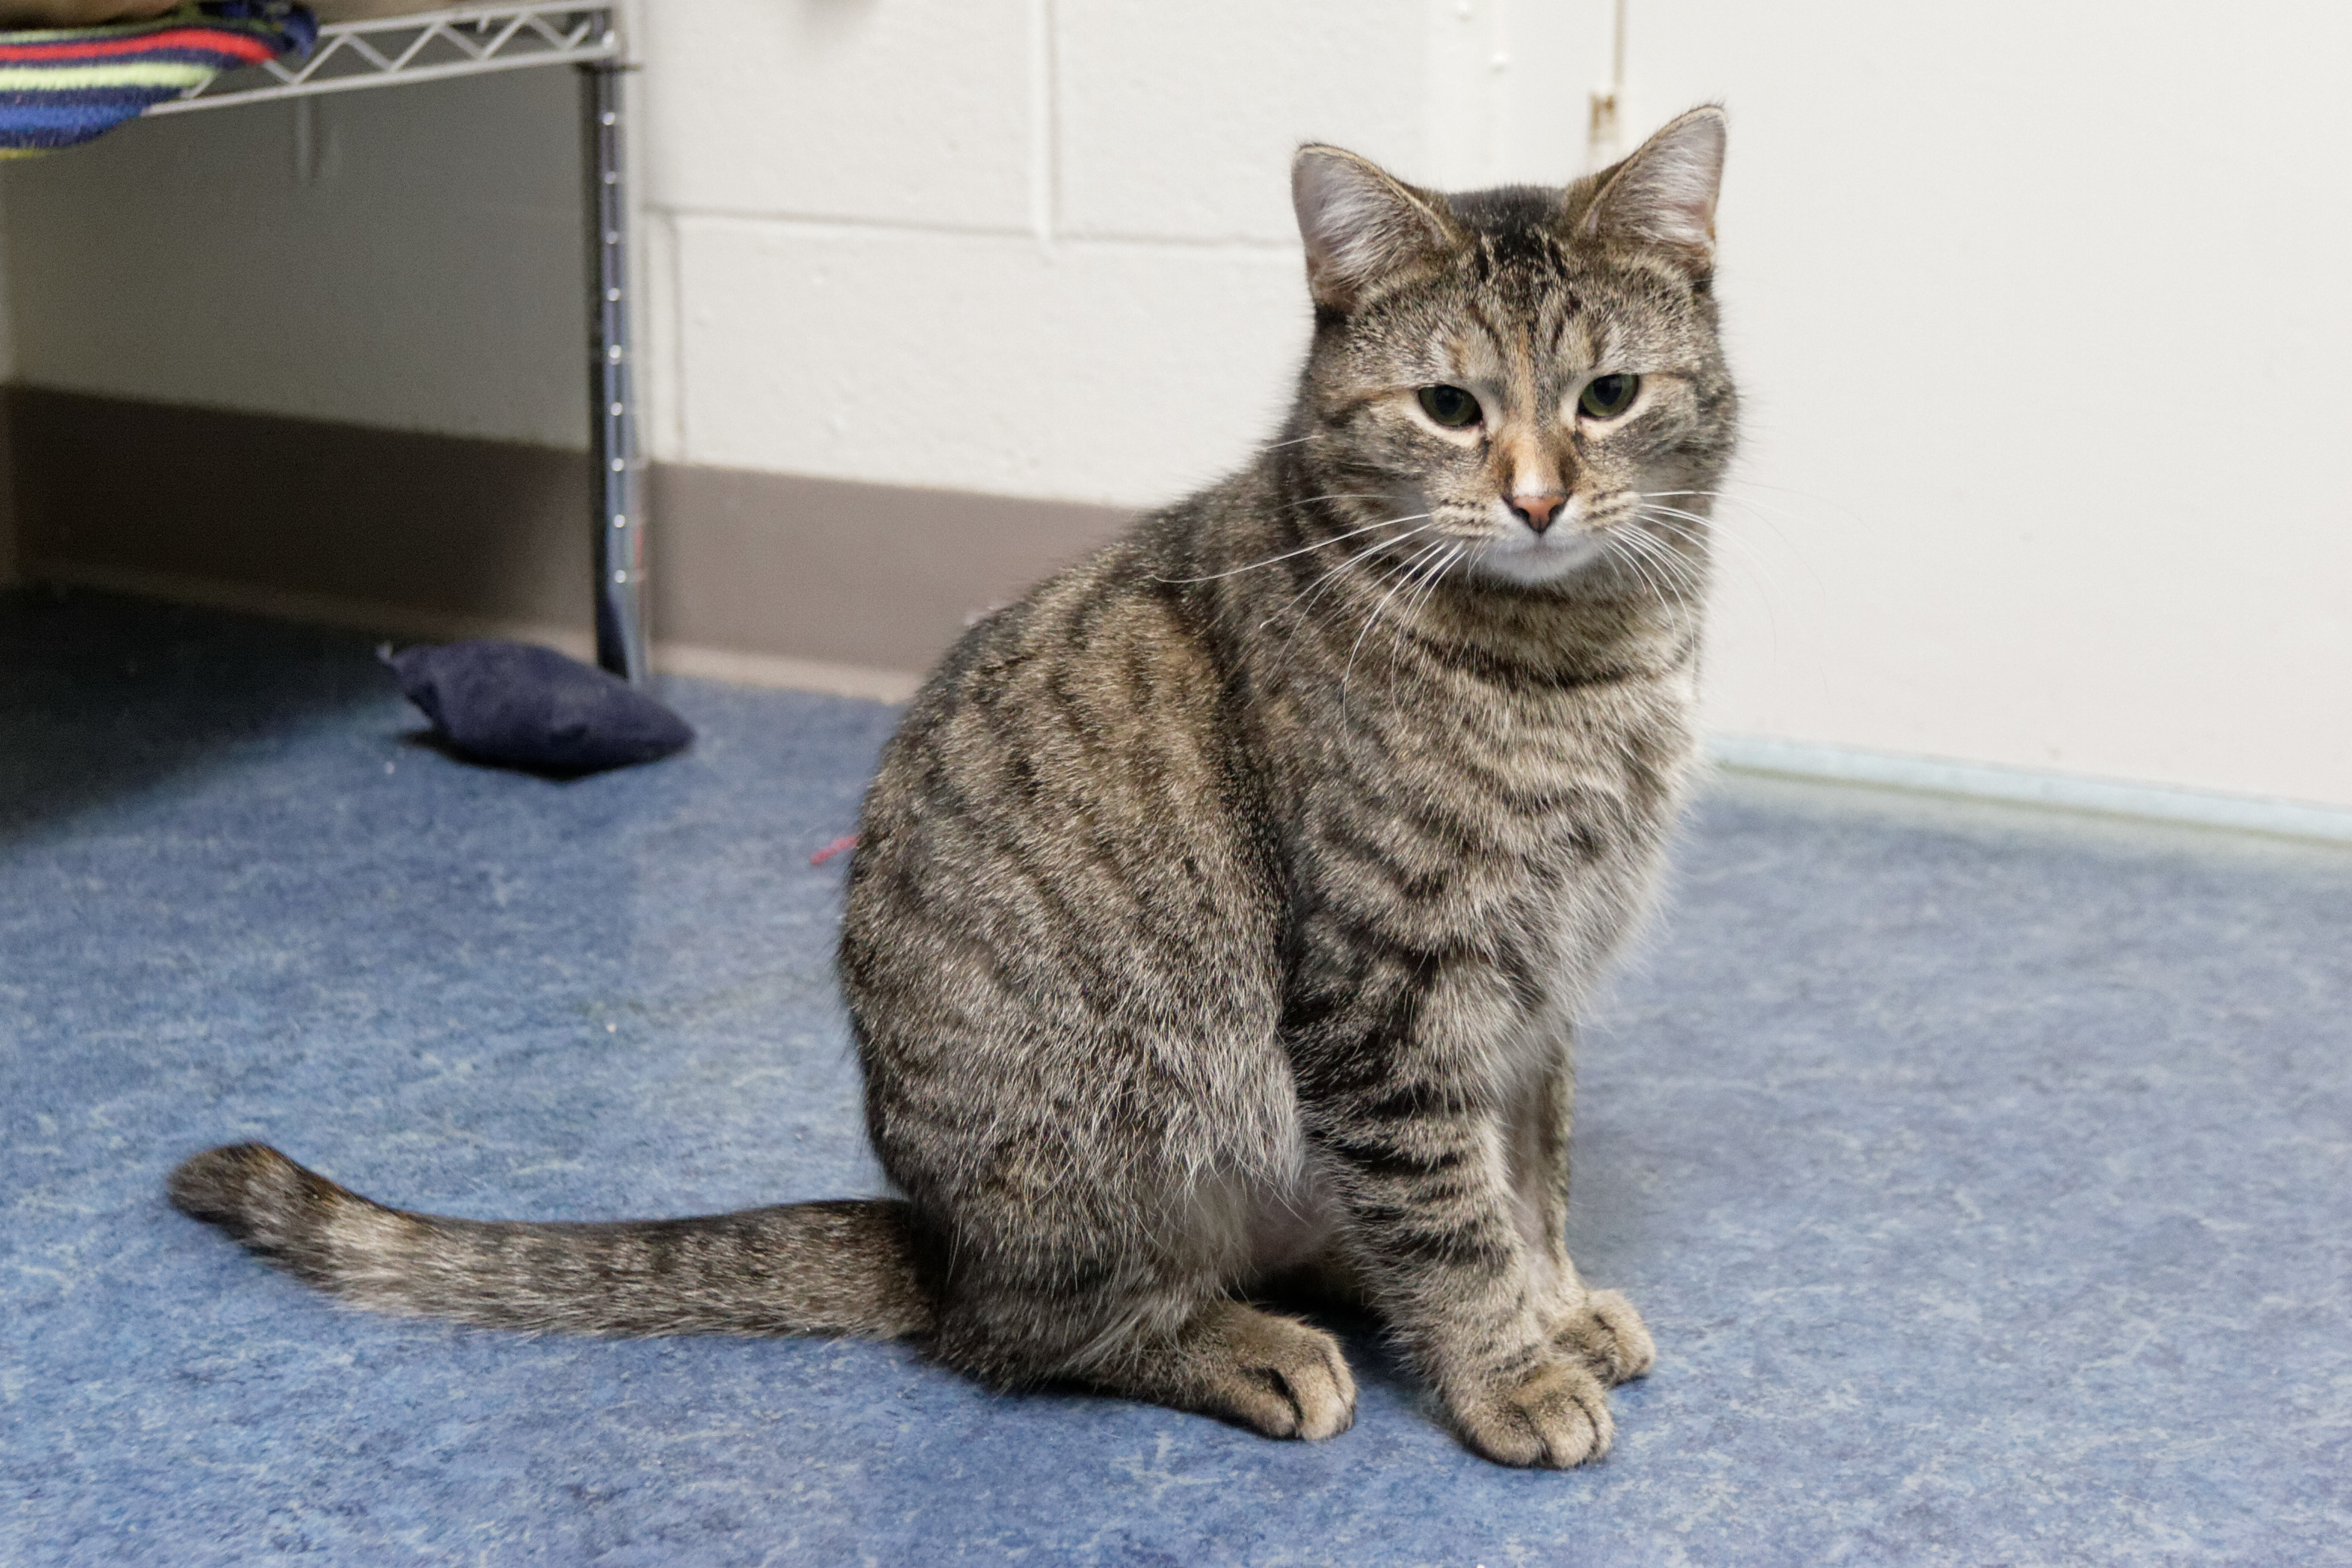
<point>1662,196</point>
<point>1361,223</point>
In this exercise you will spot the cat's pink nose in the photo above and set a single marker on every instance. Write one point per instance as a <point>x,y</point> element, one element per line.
<point>1537,511</point>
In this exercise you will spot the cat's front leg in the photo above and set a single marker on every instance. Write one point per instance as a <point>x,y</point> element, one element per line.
<point>1432,1228</point>
<point>1423,1148</point>
<point>1599,1326</point>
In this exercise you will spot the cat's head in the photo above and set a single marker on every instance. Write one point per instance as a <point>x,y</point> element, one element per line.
<point>1536,372</point>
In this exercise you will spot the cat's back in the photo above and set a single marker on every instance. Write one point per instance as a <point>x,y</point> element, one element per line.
<point>1062,918</point>
<point>1067,782</point>
<point>1097,689</point>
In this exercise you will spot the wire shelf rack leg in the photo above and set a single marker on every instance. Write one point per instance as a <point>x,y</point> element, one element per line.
<point>617,481</point>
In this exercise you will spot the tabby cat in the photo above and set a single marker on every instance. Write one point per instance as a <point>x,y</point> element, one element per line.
<point>1221,910</point>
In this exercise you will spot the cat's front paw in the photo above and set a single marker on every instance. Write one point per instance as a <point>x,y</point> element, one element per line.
<point>1557,1415</point>
<point>1608,1336</point>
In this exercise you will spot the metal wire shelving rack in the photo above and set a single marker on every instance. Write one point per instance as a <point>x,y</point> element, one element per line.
<point>473,40</point>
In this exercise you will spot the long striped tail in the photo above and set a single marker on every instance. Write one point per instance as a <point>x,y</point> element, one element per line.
<point>835,1268</point>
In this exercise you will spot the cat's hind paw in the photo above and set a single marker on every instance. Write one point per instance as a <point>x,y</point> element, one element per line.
<point>1273,1375</point>
<point>1279,1376</point>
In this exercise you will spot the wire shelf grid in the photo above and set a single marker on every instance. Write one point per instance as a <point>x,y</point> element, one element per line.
<point>464,40</point>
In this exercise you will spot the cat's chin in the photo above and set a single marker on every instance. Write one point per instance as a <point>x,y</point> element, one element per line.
<point>1536,561</point>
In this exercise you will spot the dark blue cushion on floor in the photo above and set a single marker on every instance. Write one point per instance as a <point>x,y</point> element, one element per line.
<point>532,708</point>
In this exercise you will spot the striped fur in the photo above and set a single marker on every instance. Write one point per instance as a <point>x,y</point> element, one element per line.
<point>1222,908</point>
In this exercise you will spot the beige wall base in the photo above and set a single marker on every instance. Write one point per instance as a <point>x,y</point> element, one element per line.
<point>764,579</point>
<point>759,579</point>
<point>730,665</point>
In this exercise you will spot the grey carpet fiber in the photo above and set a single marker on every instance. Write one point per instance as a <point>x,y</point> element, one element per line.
<point>1986,1176</point>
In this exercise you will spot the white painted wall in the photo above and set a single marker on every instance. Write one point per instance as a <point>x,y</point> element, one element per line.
<point>1027,247</point>
<point>2040,309</point>
<point>9,562</point>
<point>1040,246</point>
<point>420,268</point>
<point>2042,315</point>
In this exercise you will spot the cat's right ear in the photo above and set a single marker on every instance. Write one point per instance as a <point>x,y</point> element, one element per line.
<point>1661,197</point>
<point>1359,223</point>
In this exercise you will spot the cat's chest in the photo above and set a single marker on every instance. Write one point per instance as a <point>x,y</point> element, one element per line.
<point>1545,813</point>
<point>1575,835</point>
<point>1552,777</point>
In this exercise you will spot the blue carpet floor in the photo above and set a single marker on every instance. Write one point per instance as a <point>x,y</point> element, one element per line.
<point>1986,1176</point>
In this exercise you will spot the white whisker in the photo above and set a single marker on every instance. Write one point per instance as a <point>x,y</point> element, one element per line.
<point>1415,602</point>
<point>1306,596</point>
<point>1757,509</point>
<point>1734,496</point>
<point>1642,552</point>
<point>1436,575</point>
<point>1412,566</point>
<point>1302,550</point>
<point>1748,558</point>
<point>1630,560</point>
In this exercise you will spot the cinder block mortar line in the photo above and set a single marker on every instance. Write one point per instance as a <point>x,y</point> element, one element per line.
<point>1239,243</point>
<point>1045,192</point>
<point>846,223</point>
<point>830,227</point>
<point>664,340</point>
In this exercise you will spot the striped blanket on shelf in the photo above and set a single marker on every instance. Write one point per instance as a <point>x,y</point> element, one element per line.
<point>63,85</point>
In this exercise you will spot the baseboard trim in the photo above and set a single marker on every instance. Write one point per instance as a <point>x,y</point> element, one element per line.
<point>730,665</point>
<point>775,671</point>
<point>1759,754</point>
<point>314,609</point>
<point>835,573</point>
<point>2024,786</point>
<point>758,579</point>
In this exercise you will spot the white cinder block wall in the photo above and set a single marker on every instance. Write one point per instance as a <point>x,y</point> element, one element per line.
<point>2042,317</point>
<point>2040,309</point>
<point>1039,247</point>
<point>2040,312</point>
<point>407,258</point>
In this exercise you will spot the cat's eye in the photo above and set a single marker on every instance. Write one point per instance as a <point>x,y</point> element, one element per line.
<point>1607,397</point>
<point>1450,406</point>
